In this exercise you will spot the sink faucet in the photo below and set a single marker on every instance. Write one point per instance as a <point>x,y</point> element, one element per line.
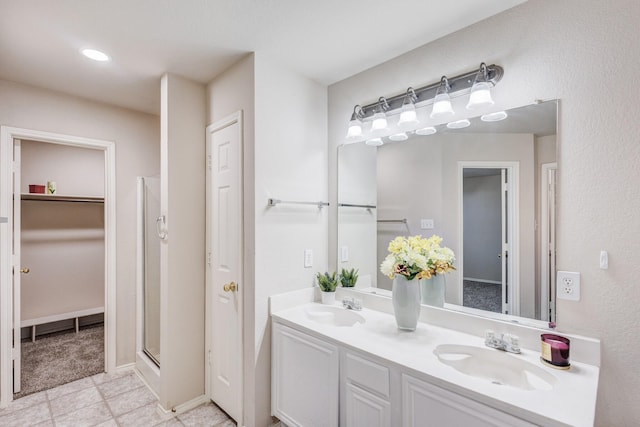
<point>352,304</point>
<point>505,342</point>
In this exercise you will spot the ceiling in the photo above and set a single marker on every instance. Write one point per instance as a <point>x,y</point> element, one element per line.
<point>325,40</point>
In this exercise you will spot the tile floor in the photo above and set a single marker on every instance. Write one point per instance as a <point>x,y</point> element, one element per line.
<point>103,400</point>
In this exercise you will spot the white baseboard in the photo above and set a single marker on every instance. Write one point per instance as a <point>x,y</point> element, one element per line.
<point>183,407</point>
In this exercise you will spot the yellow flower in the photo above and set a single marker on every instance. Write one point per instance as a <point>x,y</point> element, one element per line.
<point>396,245</point>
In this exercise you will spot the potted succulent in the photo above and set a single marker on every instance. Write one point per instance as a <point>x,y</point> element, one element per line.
<point>328,284</point>
<point>348,278</point>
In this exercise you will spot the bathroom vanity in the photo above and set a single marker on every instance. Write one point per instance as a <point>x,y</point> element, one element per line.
<point>337,367</point>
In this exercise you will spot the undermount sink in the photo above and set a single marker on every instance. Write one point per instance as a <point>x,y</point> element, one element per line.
<point>333,315</point>
<point>495,366</point>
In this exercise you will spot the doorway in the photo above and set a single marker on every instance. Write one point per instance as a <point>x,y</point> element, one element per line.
<point>487,251</point>
<point>50,207</point>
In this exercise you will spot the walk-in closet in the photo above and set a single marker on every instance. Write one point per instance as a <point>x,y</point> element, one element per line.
<point>62,258</point>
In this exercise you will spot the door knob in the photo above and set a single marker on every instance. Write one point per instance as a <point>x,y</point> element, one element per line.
<point>25,270</point>
<point>230,287</point>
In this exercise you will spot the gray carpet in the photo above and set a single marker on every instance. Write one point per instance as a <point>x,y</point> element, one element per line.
<point>60,358</point>
<point>483,296</point>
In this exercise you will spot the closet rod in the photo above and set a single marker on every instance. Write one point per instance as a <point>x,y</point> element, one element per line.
<point>350,205</point>
<point>274,202</point>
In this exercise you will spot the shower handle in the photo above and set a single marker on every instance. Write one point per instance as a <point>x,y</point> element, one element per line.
<point>230,287</point>
<point>159,222</point>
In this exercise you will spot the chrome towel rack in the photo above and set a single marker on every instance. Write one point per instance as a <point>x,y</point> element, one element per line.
<point>352,205</point>
<point>275,202</point>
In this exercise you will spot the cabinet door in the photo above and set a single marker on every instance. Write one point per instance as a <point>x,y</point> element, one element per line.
<point>305,375</point>
<point>426,405</point>
<point>364,409</point>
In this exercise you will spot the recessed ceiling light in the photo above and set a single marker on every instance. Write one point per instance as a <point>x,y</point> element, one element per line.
<point>458,124</point>
<point>96,55</point>
<point>494,117</point>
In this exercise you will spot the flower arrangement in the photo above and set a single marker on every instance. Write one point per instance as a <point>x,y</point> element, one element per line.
<point>417,257</point>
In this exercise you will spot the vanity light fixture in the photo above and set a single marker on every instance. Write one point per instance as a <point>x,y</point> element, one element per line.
<point>459,124</point>
<point>96,55</point>
<point>480,95</point>
<point>355,124</point>
<point>494,117</point>
<point>402,136</point>
<point>436,96</point>
<point>408,116</point>
<point>374,142</point>
<point>379,124</point>
<point>442,102</point>
<point>429,130</point>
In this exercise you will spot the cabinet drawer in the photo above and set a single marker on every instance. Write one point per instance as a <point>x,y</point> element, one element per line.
<point>367,374</point>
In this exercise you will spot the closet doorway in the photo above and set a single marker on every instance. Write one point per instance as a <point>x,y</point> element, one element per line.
<point>57,257</point>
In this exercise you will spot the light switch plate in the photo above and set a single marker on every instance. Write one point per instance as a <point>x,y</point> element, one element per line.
<point>308,258</point>
<point>568,285</point>
<point>344,254</point>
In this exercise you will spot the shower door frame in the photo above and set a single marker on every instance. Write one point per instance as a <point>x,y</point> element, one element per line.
<point>7,137</point>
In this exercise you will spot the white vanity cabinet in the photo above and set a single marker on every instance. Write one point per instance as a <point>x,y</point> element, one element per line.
<point>305,379</point>
<point>365,392</point>
<point>426,405</point>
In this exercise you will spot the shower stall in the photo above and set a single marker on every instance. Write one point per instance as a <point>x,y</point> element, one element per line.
<point>148,275</point>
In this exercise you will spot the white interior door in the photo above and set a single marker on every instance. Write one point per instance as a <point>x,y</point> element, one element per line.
<point>18,270</point>
<point>548,242</point>
<point>504,257</point>
<point>224,265</point>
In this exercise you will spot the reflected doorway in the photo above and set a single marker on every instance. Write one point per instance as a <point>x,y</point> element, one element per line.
<point>487,237</point>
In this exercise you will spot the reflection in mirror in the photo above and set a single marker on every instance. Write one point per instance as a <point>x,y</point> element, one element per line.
<point>488,190</point>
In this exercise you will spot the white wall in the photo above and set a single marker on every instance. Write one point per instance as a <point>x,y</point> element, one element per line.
<point>182,253</point>
<point>137,138</point>
<point>285,157</point>
<point>290,164</point>
<point>559,50</point>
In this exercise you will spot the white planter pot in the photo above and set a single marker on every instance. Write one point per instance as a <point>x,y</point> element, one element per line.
<point>328,298</point>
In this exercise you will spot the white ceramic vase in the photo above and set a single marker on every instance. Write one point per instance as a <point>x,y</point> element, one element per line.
<point>328,298</point>
<point>432,290</point>
<point>405,295</point>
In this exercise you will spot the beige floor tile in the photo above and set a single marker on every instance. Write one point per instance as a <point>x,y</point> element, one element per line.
<point>104,377</point>
<point>29,416</point>
<point>204,415</point>
<point>130,400</point>
<point>71,387</point>
<point>120,385</point>
<point>109,423</point>
<point>24,402</point>
<point>146,416</point>
<point>73,401</point>
<point>87,416</point>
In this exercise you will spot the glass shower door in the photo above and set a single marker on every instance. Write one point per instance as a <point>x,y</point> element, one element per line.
<point>151,276</point>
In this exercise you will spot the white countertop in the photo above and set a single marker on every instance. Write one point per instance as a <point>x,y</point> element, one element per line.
<point>571,401</point>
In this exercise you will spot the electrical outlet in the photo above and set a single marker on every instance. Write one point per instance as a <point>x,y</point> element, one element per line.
<point>568,285</point>
<point>426,224</point>
<point>308,258</point>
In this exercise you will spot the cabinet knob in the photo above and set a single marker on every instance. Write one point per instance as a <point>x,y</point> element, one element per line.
<point>230,287</point>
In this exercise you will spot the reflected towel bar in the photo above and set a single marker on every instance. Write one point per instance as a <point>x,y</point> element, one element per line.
<point>350,205</point>
<point>274,202</point>
<point>399,221</point>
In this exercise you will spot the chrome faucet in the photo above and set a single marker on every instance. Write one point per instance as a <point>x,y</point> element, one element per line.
<point>352,304</point>
<point>505,342</point>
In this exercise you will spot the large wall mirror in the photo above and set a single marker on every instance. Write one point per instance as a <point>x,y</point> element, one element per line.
<point>488,190</point>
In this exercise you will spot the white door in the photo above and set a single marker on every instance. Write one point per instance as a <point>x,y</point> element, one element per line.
<point>224,265</point>
<point>504,256</point>
<point>17,269</point>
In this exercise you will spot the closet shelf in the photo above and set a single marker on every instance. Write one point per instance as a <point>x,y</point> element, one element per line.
<point>57,198</point>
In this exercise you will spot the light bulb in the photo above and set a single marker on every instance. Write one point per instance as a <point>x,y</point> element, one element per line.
<point>480,96</point>
<point>355,129</point>
<point>442,106</point>
<point>379,124</point>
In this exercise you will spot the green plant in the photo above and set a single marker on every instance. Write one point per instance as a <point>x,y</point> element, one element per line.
<point>327,282</point>
<point>348,278</point>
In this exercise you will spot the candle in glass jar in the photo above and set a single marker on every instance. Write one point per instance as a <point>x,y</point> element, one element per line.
<point>555,350</point>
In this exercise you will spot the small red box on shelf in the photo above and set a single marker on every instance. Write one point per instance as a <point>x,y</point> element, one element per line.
<point>36,189</point>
